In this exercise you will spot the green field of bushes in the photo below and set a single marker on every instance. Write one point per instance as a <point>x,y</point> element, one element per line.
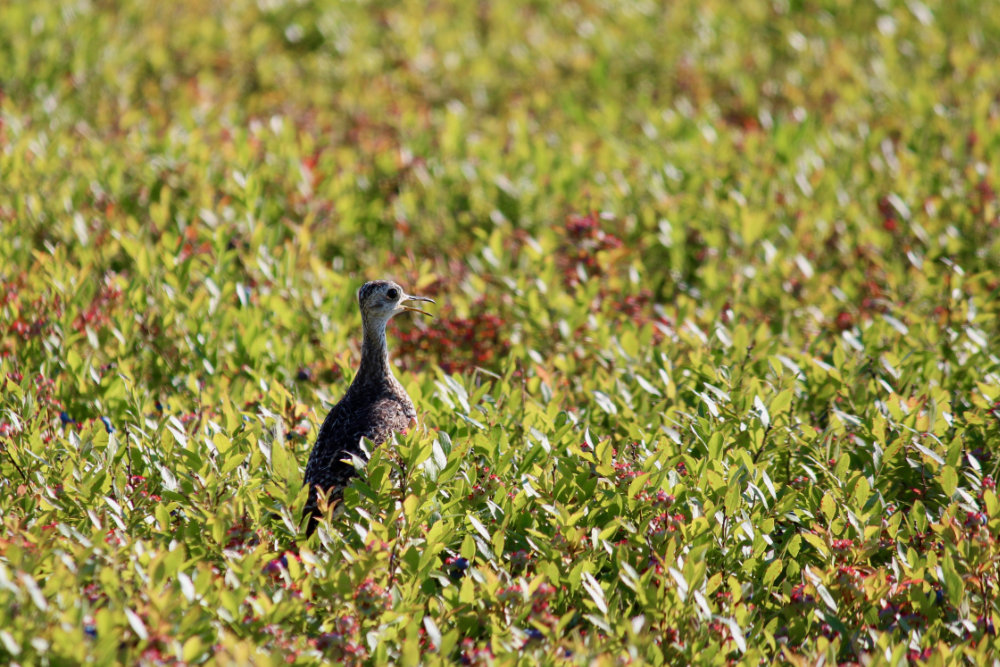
<point>714,373</point>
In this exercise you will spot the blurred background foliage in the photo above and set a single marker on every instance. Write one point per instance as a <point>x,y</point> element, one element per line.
<point>714,248</point>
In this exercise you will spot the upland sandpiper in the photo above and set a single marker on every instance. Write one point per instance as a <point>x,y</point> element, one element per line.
<point>374,406</point>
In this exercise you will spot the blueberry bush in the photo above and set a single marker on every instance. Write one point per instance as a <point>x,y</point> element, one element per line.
<point>713,378</point>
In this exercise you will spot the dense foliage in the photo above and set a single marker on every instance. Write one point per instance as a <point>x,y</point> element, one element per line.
<point>714,375</point>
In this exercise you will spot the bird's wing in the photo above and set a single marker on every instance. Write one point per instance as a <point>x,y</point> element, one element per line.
<point>330,465</point>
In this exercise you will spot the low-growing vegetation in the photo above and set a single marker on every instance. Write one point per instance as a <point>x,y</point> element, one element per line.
<point>714,376</point>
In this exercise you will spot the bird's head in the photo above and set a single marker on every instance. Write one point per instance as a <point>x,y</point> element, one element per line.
<point>380,300</point>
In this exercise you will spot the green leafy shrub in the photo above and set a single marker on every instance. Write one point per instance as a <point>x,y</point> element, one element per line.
<point>713,379</point>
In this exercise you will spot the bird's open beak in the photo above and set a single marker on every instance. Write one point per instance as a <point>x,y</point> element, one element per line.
<point>417,298</point>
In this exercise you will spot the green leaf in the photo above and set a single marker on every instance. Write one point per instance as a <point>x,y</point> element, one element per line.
<point>479,528</point>
<point>468,550</point>
<point>990,500</point>
<point>733,497</point>
<point>192,649</point>
<point>284,466</point>
<point>949,480</point>
<point>953,584</point>
<point>433,633</point>
<point>828,506</point>
<point>34,592</point>
<point>136,623</point>
<point>816,542</point>
<point>762,413</point>
<point>794,545</point>
<point>410,506</point>
<point>862,491</point>
<point>772,572</point>
<point>9,643</point>
<point>826,597</point>
<point>715,445</point>
<point>752,225</point>
<point>595,591</point>
<point>467,592</point>
<point>781,402</point>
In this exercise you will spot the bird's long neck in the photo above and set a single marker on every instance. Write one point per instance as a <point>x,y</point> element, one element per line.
<point>374,367</point>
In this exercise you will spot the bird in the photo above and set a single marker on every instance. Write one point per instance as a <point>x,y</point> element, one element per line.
<point>374,406</point>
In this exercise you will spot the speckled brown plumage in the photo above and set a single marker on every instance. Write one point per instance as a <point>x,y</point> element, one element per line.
<point>374,406</point>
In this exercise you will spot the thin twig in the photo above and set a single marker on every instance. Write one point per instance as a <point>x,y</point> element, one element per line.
<point>14,463</point>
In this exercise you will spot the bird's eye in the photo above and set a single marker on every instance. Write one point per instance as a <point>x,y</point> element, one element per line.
<point>393,293</point>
